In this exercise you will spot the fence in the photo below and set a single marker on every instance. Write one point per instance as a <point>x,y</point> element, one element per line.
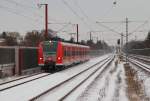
<point>145,51</point>
<point>94,53</point>
<point>14,60</point>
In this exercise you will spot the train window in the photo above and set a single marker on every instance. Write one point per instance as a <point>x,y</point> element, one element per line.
<point>75,51</point>
<point>72,52</point>
<point>79,52</point>
<point>50,48</point>
<point>68,52</point>
<point>65,52</point>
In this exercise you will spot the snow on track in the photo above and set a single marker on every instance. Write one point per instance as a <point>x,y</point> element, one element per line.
<point>147,67</point>
<point>111,86</point>
<point>31,89</point>
<point>21,81</point>
<point>60,92</point>
<point>144,79</point>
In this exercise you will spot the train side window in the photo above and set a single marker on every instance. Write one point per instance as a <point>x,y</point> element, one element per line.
<point>75,52</point>
<point>72,52</point>
<point>65,52</point>
<point>68,52</point>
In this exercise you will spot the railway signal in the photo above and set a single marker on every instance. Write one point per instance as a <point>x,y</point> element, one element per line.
<point>118,41</point>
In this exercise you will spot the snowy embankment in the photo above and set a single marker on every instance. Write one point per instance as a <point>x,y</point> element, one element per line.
<point>110,86</point>
<point>31,89</point>
<point>22,80</point>
<point>144,78</point>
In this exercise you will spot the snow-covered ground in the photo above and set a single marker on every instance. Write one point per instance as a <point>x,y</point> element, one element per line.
<point>10,78</point>
<point>61,91</point>
<point>111,86</point>
<point>31,89</point>
<point>143,64</point>
<point>22,80</point>
<point>144,78</point>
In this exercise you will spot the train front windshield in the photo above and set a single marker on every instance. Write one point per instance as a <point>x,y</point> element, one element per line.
<point>50,47</point>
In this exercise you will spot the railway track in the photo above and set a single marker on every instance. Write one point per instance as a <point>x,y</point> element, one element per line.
<point>19,78</point>
<point>143,59</point>
<point>139,64</point>
<point>136,81</point>
<point>76,80</point>
<point>20,81</point>
<point>30,90</point>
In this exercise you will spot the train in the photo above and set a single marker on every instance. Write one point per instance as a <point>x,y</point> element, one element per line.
<point>54,55</point>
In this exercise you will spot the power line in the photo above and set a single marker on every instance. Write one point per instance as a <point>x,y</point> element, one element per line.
<point>100,24</point>
<point>19,4</point>
<point>122,22</point>
<point>22,6</point>
<point>138,27</point>
<point>81,10</point>
<point>32,9</point>
<point>63,27</point>
<point>16,13</point>
<point>74,12</point>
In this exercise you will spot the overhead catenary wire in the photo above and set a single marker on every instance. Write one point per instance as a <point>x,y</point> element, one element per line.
<point>81,10</point>
<point>102,25</point>
<point>20,4</point>
<point>28,8</point>
<point>22,10</point>
<point>75,13</point>
<point>10,10</point>
<point>63,28</point>
<point>138,27</point>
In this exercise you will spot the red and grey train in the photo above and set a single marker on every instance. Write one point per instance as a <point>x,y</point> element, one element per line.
<point>57,54</point>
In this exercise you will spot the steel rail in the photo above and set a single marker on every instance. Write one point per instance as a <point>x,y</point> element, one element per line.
<point>23,82</point>
<point>63,82</point>
<point>19,79</point>
<point>141,58</point>
<point>66,95</point>
<point>139,65</point>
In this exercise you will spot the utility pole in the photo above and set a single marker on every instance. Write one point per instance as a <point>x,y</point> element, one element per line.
<point>126,38</point>
<point>77,33</point>
<point>121,41</point>
<point>90,36</point>
<point>46,21</point>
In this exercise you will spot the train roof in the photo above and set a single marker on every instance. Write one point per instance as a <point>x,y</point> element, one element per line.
<point>71,44</point>
<point>76,45</point>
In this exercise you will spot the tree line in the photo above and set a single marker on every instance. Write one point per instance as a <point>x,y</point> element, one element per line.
<point>34,37</point>
<point>139,44</point>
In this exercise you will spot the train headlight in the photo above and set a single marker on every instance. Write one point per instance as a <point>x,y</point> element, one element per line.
<point>41,58</point>
<point>59,58</point>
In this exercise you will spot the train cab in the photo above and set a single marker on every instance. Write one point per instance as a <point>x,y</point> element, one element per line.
<point>57,54</point>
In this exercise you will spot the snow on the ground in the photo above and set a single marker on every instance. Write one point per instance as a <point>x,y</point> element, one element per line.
<point>147,86</point>
<point>10,78</point>
<point>111,86</point>
<point>59,92</point>
<point>144,78</point>
<point>116,90</point>
<point>143,64</point>
<point>22,80</point>
<point>31,89</point>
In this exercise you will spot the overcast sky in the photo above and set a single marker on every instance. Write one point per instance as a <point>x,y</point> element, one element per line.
<point>25,15</point>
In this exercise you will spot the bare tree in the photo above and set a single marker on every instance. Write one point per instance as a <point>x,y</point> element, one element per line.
<point>33,38</point>
<point>11,38</point>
